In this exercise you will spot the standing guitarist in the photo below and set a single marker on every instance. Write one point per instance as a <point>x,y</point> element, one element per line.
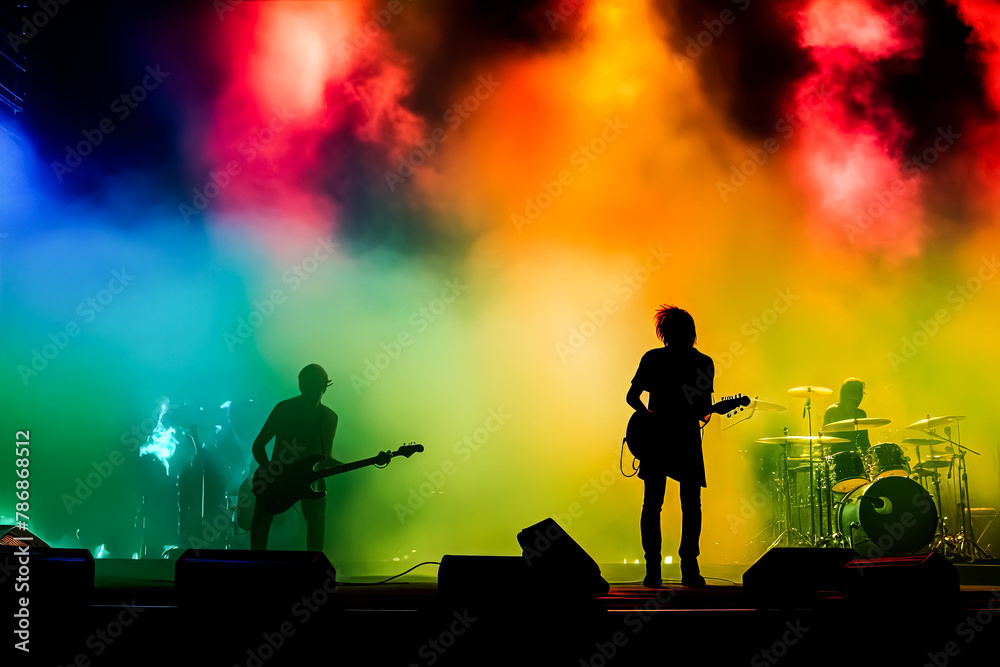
<point>679,380</point>
<point>301,426</point>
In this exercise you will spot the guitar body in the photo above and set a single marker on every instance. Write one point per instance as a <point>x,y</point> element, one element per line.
<point>245,503</point>
<point>277,493</point>
<point>641,430</point>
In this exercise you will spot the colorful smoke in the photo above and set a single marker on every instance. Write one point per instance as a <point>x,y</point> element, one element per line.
<point>468,216</point>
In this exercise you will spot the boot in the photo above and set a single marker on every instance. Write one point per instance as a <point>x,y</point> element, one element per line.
<point>652,579</point>
<point>691,574</point>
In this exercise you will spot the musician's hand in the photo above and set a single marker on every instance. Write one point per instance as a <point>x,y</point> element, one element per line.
<point>383,458</point>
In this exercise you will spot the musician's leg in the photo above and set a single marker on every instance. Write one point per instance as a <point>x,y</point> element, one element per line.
<point>314,512</point>
<point>260,527</point>
<point>690,534</point>
<point>649,527</point>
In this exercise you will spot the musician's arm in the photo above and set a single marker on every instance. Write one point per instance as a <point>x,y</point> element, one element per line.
<point>260,443</point>
<point>634,398</point>
<point>329,433</point>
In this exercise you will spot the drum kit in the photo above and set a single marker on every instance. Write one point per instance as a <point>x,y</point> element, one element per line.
<point>830,491</point>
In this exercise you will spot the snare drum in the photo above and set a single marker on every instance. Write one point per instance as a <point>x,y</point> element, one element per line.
<point>847,471</point>
<point>886,459</point>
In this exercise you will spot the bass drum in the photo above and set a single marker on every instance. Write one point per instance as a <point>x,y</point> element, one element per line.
<point>892,516</point>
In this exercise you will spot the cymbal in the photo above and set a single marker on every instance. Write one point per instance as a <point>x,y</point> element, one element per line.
<point>933,422</point>
<point>808,390</point>
<point>851,424</point>
<point>767,406</point>
<point>922,442</point>
<point>802,440</point>
<point>934,462</point>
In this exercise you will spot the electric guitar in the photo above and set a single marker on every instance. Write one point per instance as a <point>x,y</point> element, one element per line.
<point>642,428</point>
<point>279,488</point>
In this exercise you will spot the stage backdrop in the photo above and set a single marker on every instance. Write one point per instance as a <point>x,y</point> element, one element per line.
<point>468,217</point>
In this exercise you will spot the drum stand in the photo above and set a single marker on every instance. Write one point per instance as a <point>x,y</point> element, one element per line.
<point>943,542</point>
<point>966,545</point>
<point>812,483</point>
<point>789,536</point>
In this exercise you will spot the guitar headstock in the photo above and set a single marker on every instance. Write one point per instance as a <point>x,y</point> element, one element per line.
<point>408,450</point>
<point>733,405</point>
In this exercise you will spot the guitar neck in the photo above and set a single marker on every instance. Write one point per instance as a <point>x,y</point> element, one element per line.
<point>344,467</point>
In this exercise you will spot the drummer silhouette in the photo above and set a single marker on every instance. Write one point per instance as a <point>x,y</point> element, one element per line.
<point>852,392</point>
<point>679,380</point>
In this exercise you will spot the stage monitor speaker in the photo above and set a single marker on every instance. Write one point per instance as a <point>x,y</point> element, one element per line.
<point>792,576</point>
<point>482,581</point>
<point>259,579</point>
<point>44,598</point>
<point>902,582</point>
<point>55,581</point>
<point>557,564</point>
<point>986,529</point>
<point>12,536</point>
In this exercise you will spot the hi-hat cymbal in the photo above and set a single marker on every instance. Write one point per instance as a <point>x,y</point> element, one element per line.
<point>934,422</point>
<point>808,391</point>
<point>802,440</point>
<point>767,406</point>
<point>851,424</point>
<point>922,442</point>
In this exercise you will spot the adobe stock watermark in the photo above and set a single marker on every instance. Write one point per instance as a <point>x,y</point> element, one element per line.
<point>87,310</point>
<point>883,200</point>
<point>294,278</point>
<point>363,35</point>
<point>581,158</point>
<point>31,25</point>
<point>419,321</point>
<point>465,448</point>
<point>218,180</point>
<point>752,330</point>
<point>223,7</point>
<point>635,621</point>
<point>968,629</point>
<point>713,30</point>
<point>786,127</point>
<point>303,610</point>
<point>902,12</point>
<point>780,647</point>
<point>432,650</point>
<point>121,108</point>
<point>591,491</point>
<point>624,289</point>
<point>457,114</point>
<point>959,296</point>
<point>104,468</point>
<point>563,11</point>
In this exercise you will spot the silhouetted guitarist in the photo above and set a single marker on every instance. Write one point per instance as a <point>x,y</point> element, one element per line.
<point>679,380</point>
<point>301,426</point>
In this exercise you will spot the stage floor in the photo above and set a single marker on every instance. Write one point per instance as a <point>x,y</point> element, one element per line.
<point>136,618</point>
